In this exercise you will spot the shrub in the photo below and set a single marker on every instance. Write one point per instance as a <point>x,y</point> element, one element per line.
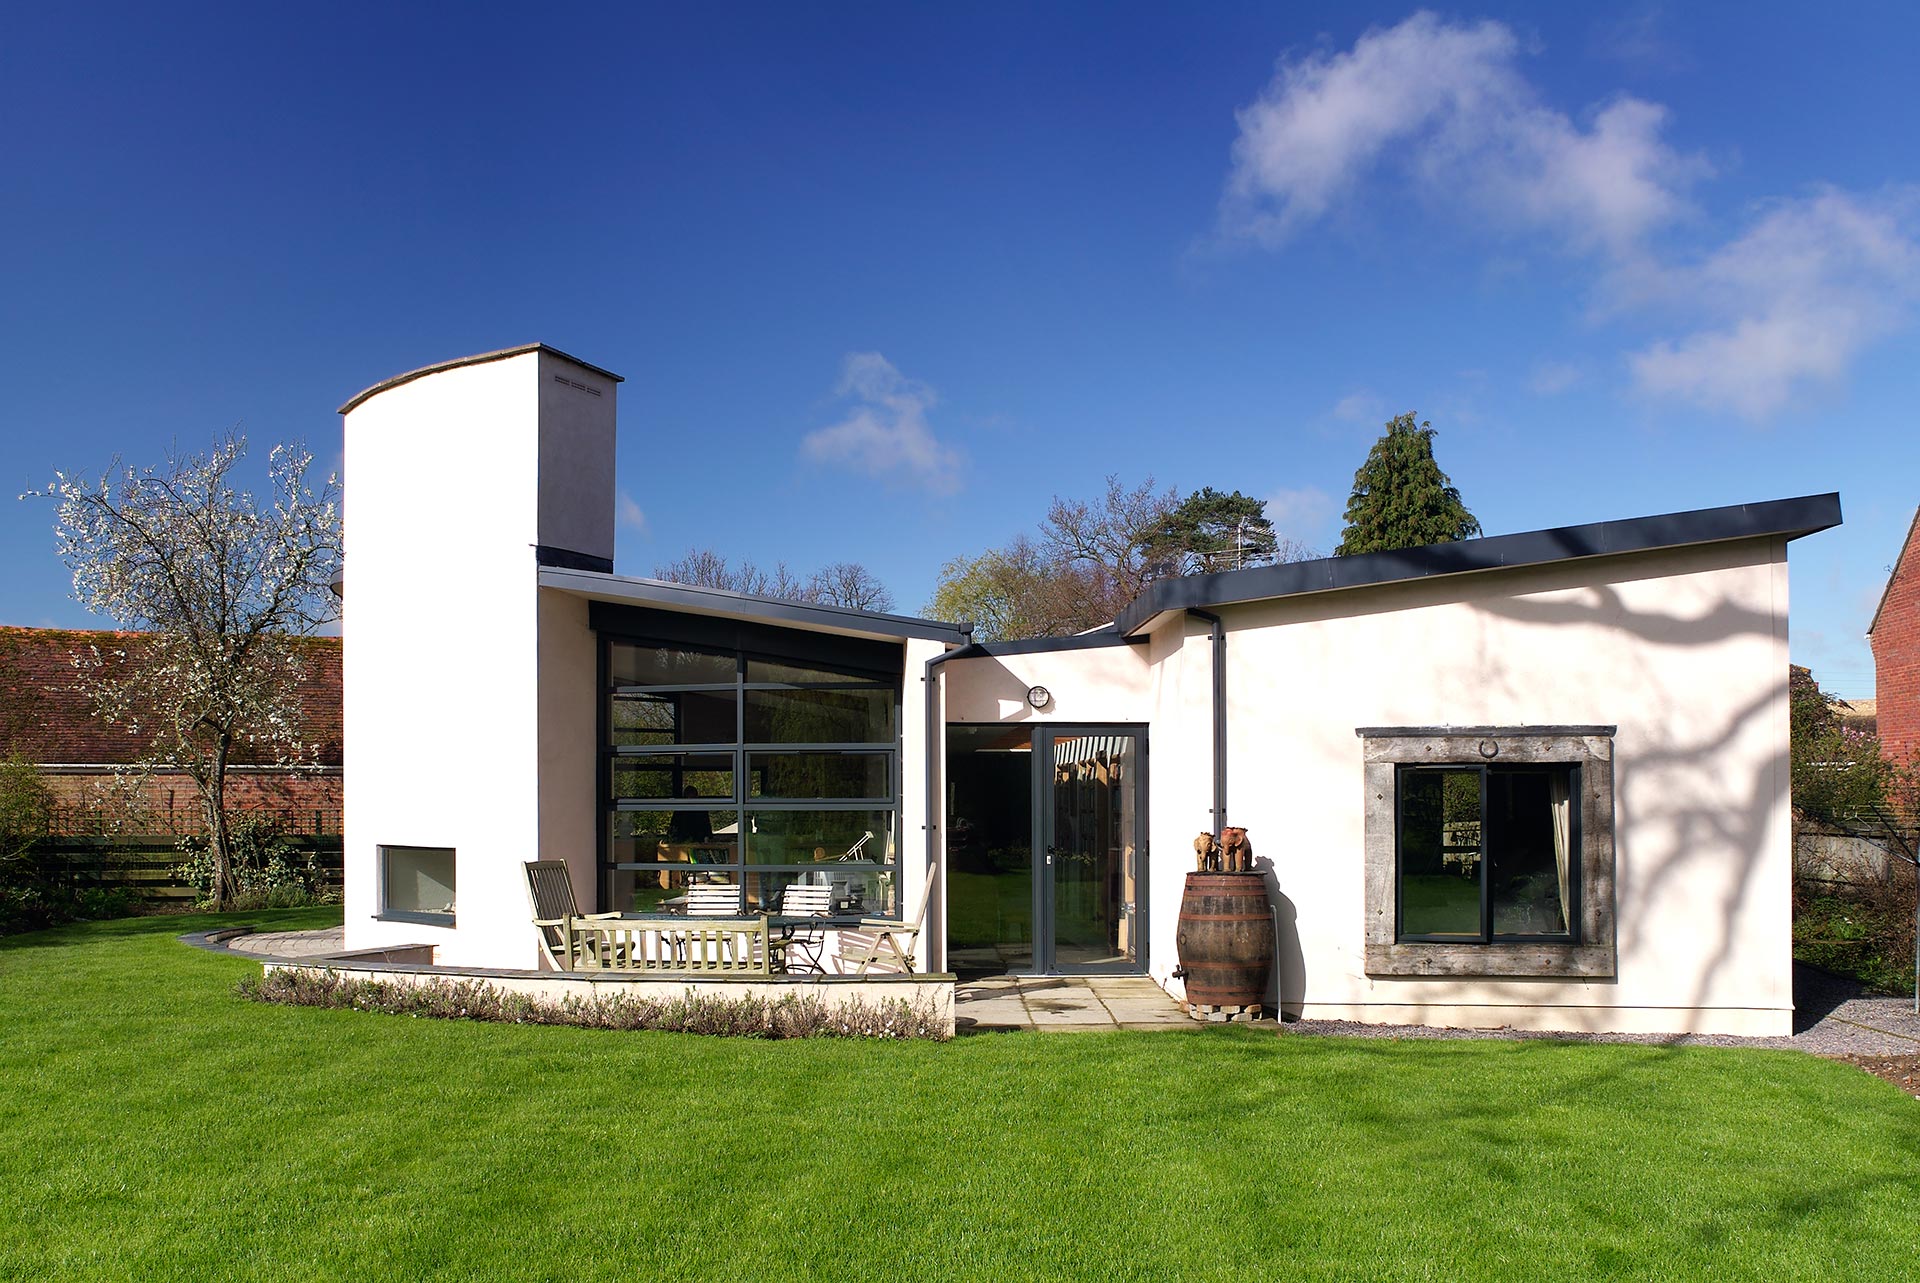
<point>1862,930</point>
<point>1836,769</point>
<point>793,1015</point>
<point>268,872</point>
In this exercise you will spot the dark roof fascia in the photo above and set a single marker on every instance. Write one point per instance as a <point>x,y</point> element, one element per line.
<point>1791,518</point>
<point>481,358</point>
<point>717,601</point>
<point>1895,572</point>
<point>1093,640</point>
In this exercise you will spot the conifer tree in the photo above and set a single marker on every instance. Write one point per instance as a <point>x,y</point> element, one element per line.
<point>1400,498</point>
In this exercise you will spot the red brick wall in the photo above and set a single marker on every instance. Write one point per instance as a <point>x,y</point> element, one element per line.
<point>101,804</point>
<point>46,715</point>
<point>1896,654</point>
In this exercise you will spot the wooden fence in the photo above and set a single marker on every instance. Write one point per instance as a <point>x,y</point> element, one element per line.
<point>149,865</point>
<point>98,819</point>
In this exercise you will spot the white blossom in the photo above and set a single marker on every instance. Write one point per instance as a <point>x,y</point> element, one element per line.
<point>223,587</point>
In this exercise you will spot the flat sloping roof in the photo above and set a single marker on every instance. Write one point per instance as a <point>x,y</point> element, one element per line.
<point>663,594</point>
<point>1790,518</point>
<point>480,358</point>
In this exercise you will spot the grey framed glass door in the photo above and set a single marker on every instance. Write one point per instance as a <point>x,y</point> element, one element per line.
<point>1046,849</point>
<point>1093,822</point>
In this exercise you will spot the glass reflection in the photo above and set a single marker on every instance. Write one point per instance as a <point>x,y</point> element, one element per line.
<point>1440,853</point>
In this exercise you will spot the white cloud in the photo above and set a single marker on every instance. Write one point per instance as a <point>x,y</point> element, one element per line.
<point>886,434</point>
<point>1792,301</point>
<point>1442,106</point>
<point>631,515</point>
<point>1359,406</point>
<point>1447,104</point>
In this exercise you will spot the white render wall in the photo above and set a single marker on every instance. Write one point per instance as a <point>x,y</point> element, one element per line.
<point>446,498</point>
<point>1684,650</point>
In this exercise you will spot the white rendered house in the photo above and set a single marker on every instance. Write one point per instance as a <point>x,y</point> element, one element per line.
<point>1535,780</point>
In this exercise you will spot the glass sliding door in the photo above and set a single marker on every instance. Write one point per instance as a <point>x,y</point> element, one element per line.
<point>1093,850</point>
<point>1077,797</point>
<point>990,892</point>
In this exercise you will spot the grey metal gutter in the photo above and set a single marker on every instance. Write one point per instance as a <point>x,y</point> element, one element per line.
<point>1095,639</point>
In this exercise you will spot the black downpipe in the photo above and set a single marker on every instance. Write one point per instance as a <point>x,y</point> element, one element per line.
<point>1219,635</point>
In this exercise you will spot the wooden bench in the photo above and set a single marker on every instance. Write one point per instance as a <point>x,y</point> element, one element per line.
<point>680,946</point>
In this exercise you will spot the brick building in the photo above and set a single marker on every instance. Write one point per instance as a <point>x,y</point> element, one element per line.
<point>46,718</point>
<point>1895,638</point>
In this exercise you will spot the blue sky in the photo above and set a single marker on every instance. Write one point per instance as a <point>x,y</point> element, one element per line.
<point>884,280</point>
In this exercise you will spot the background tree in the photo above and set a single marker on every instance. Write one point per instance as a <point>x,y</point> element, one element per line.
<point>849,584</point>
<point>1093,557</point>
<point>226,585</point>
<point>1209,531</point>
<point>1837,770</point>
<point>705,568</point>
<point>844,583</point>
<point>1109,540</point>
<point>26,813</point>
<point>1016,591</point>
<point>1400,498</point>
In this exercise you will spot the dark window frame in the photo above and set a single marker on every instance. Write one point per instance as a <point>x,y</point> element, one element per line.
<point>1591,953</point>
<point>1487,936</point>
<point>415,916</point>
<point>746,646</point>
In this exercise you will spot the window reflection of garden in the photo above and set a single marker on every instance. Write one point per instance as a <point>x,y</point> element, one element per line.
<point>1516,839</point>
<point>989,850</point>
<point>1094,843</point>
<point>757,814</point>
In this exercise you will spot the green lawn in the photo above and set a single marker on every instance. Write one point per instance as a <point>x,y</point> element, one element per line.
<point>152,1124</point>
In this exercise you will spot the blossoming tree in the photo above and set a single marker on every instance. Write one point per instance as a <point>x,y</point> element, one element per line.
<point>225,584</point>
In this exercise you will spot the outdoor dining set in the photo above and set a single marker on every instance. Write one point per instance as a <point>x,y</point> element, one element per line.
<point>709,934</point>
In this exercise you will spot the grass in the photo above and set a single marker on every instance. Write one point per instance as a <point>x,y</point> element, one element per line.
<point>154,1124</point>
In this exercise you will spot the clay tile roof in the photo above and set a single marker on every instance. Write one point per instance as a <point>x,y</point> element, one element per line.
<point>46,717</point>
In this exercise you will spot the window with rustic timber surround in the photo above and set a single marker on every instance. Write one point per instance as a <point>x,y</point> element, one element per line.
<point>1489,850</point>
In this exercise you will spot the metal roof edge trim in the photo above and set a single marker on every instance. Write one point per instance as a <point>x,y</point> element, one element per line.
<point>660,592</point>
<point>1792,518</point>
<point>479,358</point>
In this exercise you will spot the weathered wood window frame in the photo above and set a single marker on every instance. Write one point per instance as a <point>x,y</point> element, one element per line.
<point>1385,749</point>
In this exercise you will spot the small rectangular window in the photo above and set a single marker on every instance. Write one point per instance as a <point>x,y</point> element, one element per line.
<point>672,776</point>
<point>668,666</point>
<point>809,776</point>
<point>417,884</point>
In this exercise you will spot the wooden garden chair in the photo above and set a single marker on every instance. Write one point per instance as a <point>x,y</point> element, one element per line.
<point>550,891</point>
<point>885,941</point>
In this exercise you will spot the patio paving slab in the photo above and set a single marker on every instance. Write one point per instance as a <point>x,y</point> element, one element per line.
<point>290,944</point>
<point>1066,1004</point>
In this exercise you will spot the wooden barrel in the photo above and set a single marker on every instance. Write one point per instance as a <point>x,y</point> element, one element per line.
<point>1225,939</point>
